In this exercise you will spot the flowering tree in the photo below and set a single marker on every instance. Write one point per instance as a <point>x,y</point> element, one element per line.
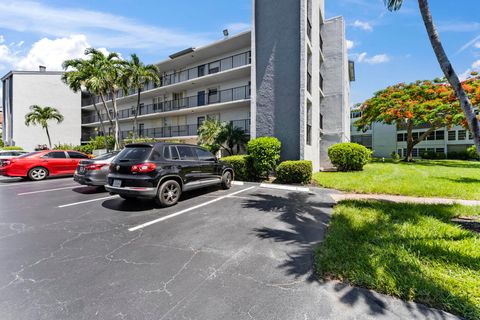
<point>418,103</point>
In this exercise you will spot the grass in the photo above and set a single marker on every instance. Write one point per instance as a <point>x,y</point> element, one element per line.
<point>410,251</point>
<point>434,178</point>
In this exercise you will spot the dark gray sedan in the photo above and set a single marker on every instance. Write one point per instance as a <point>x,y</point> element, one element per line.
<point>93,172</point>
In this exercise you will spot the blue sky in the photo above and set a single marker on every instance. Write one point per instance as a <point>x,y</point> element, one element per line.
<point>387,47</point>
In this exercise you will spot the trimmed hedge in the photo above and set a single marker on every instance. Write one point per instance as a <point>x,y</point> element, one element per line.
<point>472,153</point>
<point>431,155</point>
<point>349,156</point>
<point>265,153</point>
<point>12,148</point>
<point>241,166</point>
<point>295,171</point>
<point>457,155</point>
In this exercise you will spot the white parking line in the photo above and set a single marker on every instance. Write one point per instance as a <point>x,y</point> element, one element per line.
<point>237,183</point>
<point>282,187</point>
<point>47,190</point>
<point>20,183</point>
<point>186,210</point>
<point>87,201</point>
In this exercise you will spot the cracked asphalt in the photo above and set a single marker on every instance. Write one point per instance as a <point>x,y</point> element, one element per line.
<point>246,256</point>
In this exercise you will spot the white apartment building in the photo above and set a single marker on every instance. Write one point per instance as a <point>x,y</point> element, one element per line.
<point>287,78</point>
<point>21,89</point>
<point>384,139</point>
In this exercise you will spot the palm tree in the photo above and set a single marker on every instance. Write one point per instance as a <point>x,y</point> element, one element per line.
<point>209,131</point>
<point>445,65</point>
<point>136,75</point>
<point>110,77</point>
<point>85,76</point>
<point>40,116</point>
<point>231,136</point>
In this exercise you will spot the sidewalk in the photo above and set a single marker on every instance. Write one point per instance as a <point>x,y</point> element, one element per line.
<point>401,199</point>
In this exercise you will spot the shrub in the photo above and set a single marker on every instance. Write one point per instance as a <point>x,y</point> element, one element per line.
<point>241,166</point>
<point>295,171</point>
<point>395,156</point>
<point>458,155</point>
<point>139,140</point>
<point>12,148</point>
<point>472,153</point>
<point>265,153</point>
<point>429,155</point>
<point>349,156</point>
<point>66,146</point>
<point>97,143</point>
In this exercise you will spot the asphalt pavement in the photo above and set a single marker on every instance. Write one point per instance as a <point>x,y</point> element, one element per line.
<point>73,252</point>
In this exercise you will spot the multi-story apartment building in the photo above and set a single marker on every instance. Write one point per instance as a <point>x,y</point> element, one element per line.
<point>21,89</point>
<point>384,139</point>
<point>287,77</point>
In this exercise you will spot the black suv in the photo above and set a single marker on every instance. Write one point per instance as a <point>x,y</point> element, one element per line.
<point>162,171</point>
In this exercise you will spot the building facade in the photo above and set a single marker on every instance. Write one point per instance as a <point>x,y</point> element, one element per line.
<point>22,89</point>
<point>384,139</point>
<point>287,77</point>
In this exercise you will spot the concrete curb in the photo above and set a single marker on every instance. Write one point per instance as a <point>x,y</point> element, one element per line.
<point>402,199</point>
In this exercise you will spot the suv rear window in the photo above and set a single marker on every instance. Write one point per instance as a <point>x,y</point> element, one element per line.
<point>134,154</point>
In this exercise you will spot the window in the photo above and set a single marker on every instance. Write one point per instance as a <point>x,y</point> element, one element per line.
<point>401,137</point>
<point>470,135</point>
<point>440,135</point>
<point>421,151</point>
<point>309,124</point>
<point>141,129</point>
<point>170,153</point>
<point>55,155</point>
<point>431,136</point>
<point>212,95</point>
<point>462,134</point>
<point>134,154</point>
<point>452,135</point>
<point>415,152</point>
<point>214,67</point>
<point>321,121</point>
<point>77,155</point>
<point>186,153</point>
<point>415,135</point>
<point>204,155</point>
<point>106,156</point>
<point>439,150</point>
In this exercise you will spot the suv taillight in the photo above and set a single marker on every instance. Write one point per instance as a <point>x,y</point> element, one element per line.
<point>143,167</point>
<point>93,167</point>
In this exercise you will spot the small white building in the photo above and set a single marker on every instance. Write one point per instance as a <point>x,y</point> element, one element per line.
<point>21,89</point>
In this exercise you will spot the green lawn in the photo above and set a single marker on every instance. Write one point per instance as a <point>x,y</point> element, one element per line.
<point>409,251</point>
<point>435,178</point>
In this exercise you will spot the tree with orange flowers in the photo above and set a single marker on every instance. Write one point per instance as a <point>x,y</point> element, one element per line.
<point>419,103</point>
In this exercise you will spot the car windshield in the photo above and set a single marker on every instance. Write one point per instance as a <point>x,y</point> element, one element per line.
<point>106,156</point>
<point>134,154</point>
<point>29,154</point>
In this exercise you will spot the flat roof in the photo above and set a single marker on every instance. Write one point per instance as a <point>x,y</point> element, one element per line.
<point>49,73</point>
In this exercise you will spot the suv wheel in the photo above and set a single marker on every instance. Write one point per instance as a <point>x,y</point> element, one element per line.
<point>37,174</point>
<point>168,193</point>
<point>227,180</point>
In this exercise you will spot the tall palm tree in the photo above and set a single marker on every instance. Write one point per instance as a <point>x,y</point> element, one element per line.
<point>231,137</point>
<point>136,75</point>
<point>40,116</point>
<point>84,76</point>
<point>445,65</point>
<point>111,69</point>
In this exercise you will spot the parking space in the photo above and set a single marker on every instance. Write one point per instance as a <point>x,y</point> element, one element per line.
<point>72,252</point>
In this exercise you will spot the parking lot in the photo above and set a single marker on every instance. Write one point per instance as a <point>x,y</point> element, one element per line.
<point>73,252</point>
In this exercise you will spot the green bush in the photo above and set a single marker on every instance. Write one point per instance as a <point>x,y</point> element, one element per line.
<point>472,153</point>
<point>395,156</point>
<point>429,155</point>
<point>12,148</point>
<point>66,146</point>
<point>458,155</point>
<point>139,140</point>
<point>265,153</point>
<point>241,166</point>
<point>295,171</point>
<point>97,143</point>
<point>349,156</point>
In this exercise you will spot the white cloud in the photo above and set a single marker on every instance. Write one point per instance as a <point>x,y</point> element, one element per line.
<point>477,45</point>
<point>2,39</point>
<point>376,59</point>
<point>102,29</point>
<point>476,65</point>
<point>364,25</point>
<point>237,27</point>
<point>350,44</point>
<point>20,43</point>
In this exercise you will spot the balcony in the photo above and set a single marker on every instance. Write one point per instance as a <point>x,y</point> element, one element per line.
<point>187,130</point>
<point>213,67</point>
<point>199,100</point>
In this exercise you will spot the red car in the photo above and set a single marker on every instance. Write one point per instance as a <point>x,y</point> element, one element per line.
<point>39,165</point>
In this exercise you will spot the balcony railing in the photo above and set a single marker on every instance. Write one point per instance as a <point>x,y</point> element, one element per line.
<point>228,63</point>
<point>309,82</point>
<point>173,131</point>
<point>207,98</point>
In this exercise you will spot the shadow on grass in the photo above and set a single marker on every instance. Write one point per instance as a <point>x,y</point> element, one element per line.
<point>461,179</point>
<point>445,163</point>
<point>381,246</point>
